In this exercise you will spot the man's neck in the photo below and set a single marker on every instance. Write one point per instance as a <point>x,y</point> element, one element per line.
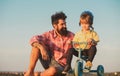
<point>59,34</point>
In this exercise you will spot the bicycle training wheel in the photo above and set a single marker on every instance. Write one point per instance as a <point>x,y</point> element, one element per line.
<point>100,70</point>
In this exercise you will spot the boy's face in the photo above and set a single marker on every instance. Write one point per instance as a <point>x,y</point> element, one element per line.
<point>85,26</point>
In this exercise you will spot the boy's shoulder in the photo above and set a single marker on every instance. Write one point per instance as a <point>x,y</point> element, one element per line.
<point>93,31</point>
<point>78,32</point>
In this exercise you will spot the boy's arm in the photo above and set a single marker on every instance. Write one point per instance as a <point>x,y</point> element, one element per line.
<point>91,42</point>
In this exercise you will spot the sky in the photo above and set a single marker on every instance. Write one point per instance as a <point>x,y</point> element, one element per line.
<point>22,19</point>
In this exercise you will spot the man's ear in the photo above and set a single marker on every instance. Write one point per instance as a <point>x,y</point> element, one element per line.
<point>54,26</point>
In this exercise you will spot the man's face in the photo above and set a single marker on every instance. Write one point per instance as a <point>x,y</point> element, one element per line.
<point>61,27</point>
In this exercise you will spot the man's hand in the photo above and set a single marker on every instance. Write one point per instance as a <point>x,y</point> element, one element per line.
<point>45,55</point>
<point>43,50</point>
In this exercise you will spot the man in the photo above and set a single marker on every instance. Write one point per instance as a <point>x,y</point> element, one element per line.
<point>51,48</point>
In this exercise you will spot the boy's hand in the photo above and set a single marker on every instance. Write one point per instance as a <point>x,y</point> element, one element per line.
<point>91,42</point>
<point>76,45</point>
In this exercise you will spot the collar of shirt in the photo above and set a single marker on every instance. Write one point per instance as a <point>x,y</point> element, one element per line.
<point>54,33</point>
<point>87,32</point>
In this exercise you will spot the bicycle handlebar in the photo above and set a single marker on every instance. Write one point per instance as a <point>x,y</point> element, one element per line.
<point>79,46</point>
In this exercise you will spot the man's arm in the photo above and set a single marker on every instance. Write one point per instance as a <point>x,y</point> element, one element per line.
<point>42,49</point>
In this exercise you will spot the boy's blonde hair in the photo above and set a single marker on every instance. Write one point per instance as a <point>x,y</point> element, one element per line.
<point>86,17</point>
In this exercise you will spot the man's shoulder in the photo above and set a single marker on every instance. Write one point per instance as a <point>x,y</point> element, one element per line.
<point>49,32</point>
<point>71,34</point>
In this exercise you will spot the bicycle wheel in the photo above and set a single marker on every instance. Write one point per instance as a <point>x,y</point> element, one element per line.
<point>78,68</point>
<point>100,70</point>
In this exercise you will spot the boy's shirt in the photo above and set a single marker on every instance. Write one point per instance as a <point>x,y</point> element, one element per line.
<point>80,36</point>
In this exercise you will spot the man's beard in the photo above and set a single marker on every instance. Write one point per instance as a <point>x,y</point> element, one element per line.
<point>63,31</point>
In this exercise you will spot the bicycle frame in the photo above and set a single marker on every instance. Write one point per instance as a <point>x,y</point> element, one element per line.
<point>78,71</point>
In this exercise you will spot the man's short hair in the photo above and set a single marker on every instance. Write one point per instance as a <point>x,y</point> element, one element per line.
<point>58,15</point>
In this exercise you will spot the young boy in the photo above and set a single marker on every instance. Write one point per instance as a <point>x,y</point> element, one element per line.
<point>86,34</point>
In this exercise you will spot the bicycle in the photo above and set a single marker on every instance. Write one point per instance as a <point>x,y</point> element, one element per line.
<point>78,70</point>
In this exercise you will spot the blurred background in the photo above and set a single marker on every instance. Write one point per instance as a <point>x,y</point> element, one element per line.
<point>22,19</point>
